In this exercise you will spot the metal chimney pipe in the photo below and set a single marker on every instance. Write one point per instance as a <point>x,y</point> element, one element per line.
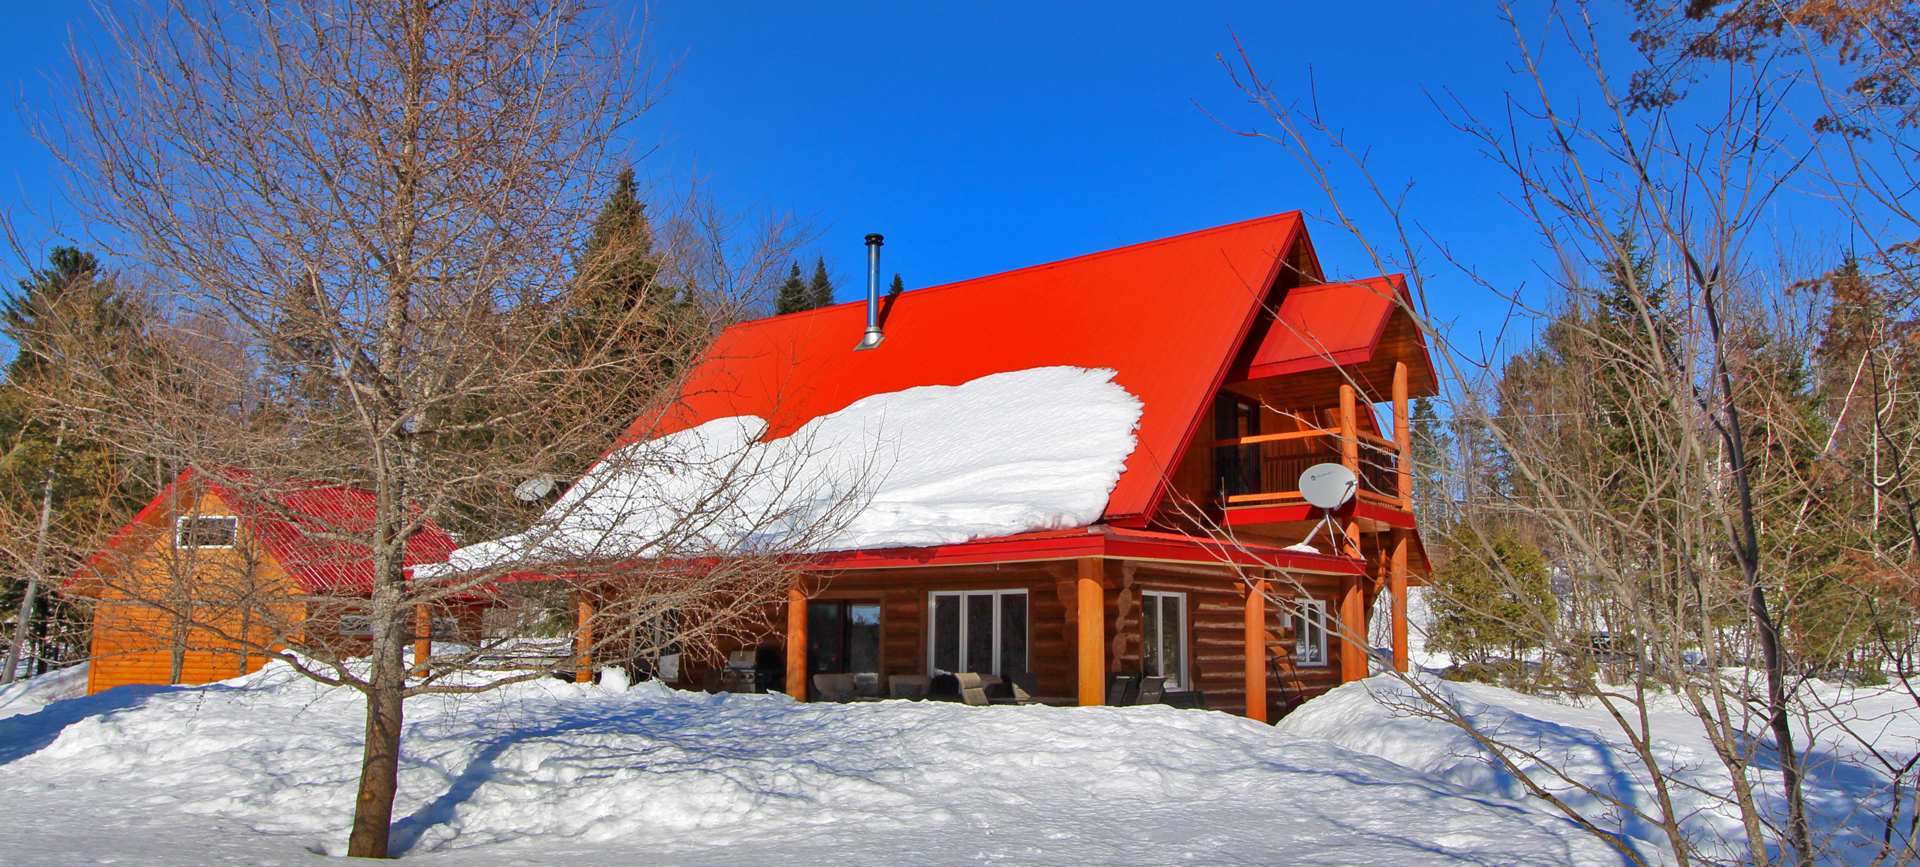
<point>873,336</point>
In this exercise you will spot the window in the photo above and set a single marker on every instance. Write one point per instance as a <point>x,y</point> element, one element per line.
<point>984,631</point>
<point>194,532</point>
<point>1310,634</point>
<point>1163,624</point>
<point>1236,469</point>
<point>356,624</point>
<point>844,638</point>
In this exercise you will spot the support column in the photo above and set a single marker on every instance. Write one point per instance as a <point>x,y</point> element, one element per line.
<point>1256,636</point>
<point>1350,458</point>
<point>1403,435</point>
<point>422,641</point>
<point>583,642</point>
<point>796,642</point>
<point>1353,629</point>
<point>1353,615</point>
<point>1091,602</point>
<point>1397,581</point>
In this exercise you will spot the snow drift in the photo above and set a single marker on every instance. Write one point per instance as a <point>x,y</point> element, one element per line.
<point>1015,452</point>
<point>1582,741</point>
<point>261,770</point>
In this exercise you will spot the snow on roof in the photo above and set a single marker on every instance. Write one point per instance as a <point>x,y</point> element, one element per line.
<point>1166,315</point>
<point>1008,453</point>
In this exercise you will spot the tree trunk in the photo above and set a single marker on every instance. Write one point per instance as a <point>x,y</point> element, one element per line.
<point>39,567</point>
<point>380,758</point>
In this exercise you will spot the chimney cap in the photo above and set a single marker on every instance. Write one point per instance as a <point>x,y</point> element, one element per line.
<point>874,239</point>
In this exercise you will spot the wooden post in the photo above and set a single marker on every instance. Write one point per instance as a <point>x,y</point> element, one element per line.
<point>796,642</point>
<point>422,639</point>
<point>583,642</point>
<point>1403,436</point>
<point>1256,635</point>
<point>1353,630</point>
<point>1091,602</point>
<point>1353,615</point>
<point>1397,581</point>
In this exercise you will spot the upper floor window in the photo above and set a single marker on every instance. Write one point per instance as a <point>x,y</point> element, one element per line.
<point>206,532</point>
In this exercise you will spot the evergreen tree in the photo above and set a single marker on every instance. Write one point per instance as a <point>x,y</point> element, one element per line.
<point>1488,599</point>
<point>897,287</point>
<point>820,289</point>
<point>60,491</point>
<point>794,295</point>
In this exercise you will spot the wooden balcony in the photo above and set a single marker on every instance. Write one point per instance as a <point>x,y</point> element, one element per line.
<point>1265,470</point>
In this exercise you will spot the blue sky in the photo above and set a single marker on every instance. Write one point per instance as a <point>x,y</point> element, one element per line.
<point>984,137</point>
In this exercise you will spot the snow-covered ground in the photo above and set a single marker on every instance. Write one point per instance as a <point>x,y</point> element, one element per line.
<point>261,770</point>
<point>27,696</point>
<point>1584,742</point>
<point>1009,453</point>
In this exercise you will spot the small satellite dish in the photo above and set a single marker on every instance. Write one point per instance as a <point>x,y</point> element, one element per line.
<point>533,489</point>
<point>1328,485</point>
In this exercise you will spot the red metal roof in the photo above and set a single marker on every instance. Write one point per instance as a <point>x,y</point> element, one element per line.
<point>1166,315</point>
<point>297,540</point>
<point>1328,325</point>
<point>1109,541</point>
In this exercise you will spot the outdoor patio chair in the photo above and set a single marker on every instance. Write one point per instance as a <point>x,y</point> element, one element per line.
<point>834,687</point>
<point>912,687</point>
<point>1122,689</point>
<point>973,689</point>
<point>943,687</point>
<point>1192,699</point>
<point>1020,688</point>
<point>1152,690</point>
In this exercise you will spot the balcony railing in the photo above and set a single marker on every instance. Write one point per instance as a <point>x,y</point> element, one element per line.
<point>1265,469</point>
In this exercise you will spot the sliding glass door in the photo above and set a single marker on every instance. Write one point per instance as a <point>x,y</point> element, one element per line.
<point>981,631</point>
<point>844,638</point>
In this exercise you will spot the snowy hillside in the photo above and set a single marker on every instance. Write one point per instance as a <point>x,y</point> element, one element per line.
<point>261,769</point>
<point>1009,453</point>
<point>1581,739</point>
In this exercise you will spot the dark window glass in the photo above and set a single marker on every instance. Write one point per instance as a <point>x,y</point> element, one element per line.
<point>863,638</point>
<point>946,633</point>
<point>980,632</point>
<point>206,532</point>
<point>826,654</point>
<point>1150,635</point>
<point>1013,632</point>
<point>1172,653</point>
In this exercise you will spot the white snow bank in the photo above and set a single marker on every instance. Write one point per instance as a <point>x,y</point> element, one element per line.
<point>1583,741</point>
<point>34,693</point>
<point>1009,453</point>
<point>261,769</point>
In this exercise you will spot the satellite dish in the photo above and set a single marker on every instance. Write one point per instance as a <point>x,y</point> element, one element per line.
<point>533,489</point>
<point>1328,485</point>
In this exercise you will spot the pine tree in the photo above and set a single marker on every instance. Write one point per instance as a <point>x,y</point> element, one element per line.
<point>59,490</point>
<point>897,287</point>
<point>794,295</point>
<point>820,289</point>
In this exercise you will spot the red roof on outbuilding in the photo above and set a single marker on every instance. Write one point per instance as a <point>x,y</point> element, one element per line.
<point>1166,315</point>
<point>297,535</point>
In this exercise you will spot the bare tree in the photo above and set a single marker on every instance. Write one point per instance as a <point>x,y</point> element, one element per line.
<point>375,223</point>
<point>1661,442</point>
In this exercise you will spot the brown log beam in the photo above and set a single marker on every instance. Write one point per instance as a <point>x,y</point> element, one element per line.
<point>583,642</point>
<point>1256,651</point>
<point>1091,604</point>
<point>422,640</point>
<point>797,641</point>
<point>1397,580</point>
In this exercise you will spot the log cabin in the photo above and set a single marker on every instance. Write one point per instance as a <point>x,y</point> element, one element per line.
<point>205,577</point>
<point>1249,367</point>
